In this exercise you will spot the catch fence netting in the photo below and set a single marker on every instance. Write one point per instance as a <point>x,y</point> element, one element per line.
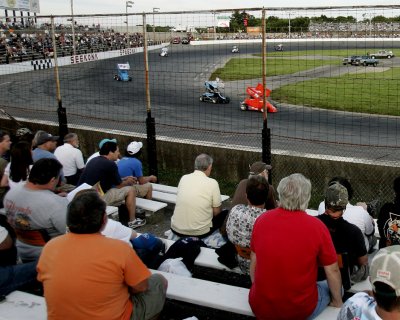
<point>333,73</point>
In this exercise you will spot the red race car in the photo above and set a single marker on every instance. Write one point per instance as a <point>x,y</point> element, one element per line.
<point>254,99</point>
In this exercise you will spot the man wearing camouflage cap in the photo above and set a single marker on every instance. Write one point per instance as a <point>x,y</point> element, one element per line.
<point>346,237</point>
<point>384,300</point>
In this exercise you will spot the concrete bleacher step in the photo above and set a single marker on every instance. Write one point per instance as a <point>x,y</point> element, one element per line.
<point>150,205</point>
<point>207,258</point>
<point>218,296</point>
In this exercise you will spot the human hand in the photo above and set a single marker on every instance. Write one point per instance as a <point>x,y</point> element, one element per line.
<point>336,303</point>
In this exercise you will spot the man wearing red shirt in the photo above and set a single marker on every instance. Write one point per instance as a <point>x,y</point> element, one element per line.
<point>287,246</point>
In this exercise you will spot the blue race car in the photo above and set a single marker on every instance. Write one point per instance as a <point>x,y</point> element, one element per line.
<point>123,74</point>
<point>213,93</point>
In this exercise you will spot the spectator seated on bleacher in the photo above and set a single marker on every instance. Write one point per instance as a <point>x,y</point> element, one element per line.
<point>241,219</point>
<point>287,247</point>
<point>389,219</point>
<point>88,276</point>
<point>347,238</point>
<point>13,276</point>
<point>261,169</point>
<point>198,204</point>
<point>130,165</point>
<point>5,144</point>
<point>116,190</point>
<point>17,171</point>
<point>71,158</point>
<point>45,146</point>
<point>357,215</point>
<point>35,212</point>
<point>384,301</point>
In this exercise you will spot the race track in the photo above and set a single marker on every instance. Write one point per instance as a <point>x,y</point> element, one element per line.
<point>92,97</point>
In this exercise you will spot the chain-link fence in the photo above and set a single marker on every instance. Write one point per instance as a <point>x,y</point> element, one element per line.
<point>333,73</point>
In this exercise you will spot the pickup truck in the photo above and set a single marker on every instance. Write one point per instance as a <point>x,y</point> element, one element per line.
<point>366,61</point>
<point>350,60</point>
<point>382,54</point>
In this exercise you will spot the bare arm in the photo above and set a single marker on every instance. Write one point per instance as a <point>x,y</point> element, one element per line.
<point>4,181</point>
<point>7,243</point>
<point>253,262</point>
<point>335,284</point>
<point>143,180</point>
<point>127,181</point>
<point>140,287</point>
<point>216,211</point>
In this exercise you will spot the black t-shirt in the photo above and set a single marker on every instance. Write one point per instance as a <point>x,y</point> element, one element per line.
<point>8,257</point>
<point>346,237</point>
<point>103,170</point>
<point>389,215</point>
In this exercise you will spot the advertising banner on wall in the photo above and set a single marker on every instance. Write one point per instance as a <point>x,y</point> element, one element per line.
<point>223,21</point>
<point>20,5</point>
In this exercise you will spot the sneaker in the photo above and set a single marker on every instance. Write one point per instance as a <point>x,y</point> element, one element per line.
<point>140,213</point>
<point>136,223</point>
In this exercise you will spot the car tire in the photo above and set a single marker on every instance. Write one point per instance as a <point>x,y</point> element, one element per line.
<point>372,57</point>
<point>215,101</point>
<point>375,64</point>
<point>365,64</point>
<point>389,56</point>
<point>243,107</point>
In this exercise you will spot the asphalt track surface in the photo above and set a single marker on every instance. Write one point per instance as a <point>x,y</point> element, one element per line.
<point>93,98</point>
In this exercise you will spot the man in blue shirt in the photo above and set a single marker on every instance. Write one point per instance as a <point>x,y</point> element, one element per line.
<point>130,165</point>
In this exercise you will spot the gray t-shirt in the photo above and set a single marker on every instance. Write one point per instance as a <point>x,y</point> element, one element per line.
<point>28,209</point>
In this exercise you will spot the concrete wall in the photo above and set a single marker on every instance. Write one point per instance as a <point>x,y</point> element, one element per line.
<point>369,180</point>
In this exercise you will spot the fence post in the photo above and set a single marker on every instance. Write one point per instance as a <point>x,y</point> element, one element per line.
<point>266,132</point>
<point>62,112</point>
<point>150,122</point>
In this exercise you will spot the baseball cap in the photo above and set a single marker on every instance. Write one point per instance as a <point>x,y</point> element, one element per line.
<point>134,147</point>
<point>44,137</point>
<point>102,142</point>
<point>336,197</point>
<point>258,167</point>
<point>23,131</point>
<point>385,268</point>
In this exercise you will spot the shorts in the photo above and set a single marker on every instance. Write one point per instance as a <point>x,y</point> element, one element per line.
<point>148,304</point>
<point>142,189</point>
<point>116,197</point>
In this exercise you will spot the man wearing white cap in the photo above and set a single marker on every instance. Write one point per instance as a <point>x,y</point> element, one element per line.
<point>130,165</point>
<point>384,300</point>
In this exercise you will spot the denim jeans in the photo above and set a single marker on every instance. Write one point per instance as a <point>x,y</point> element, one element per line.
<point>324,298</point>
<point>17,276</point>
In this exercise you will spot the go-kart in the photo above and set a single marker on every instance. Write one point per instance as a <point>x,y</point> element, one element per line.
<point>164,52</point>
<point>123,74</point>
<point>213,93</point>
<point>254,100</point>
<point>278,47</point>
<point>235,49</point>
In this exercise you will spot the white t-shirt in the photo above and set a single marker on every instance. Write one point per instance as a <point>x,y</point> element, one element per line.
<point>94,155</point>
<point>3,234</point>
<point>11,183</point>
<point>71,158</point>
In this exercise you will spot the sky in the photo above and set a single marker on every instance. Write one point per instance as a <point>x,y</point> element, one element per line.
<point>61,7</point>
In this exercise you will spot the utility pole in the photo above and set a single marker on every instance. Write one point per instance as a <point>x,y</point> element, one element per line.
<point>154,26</point>
<point>128,4</point>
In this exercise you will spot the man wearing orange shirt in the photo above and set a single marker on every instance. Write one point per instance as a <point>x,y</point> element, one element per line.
<point>88,276</point>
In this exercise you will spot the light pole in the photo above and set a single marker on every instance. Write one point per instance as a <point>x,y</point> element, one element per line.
<point>128,4</point>
<point>289,27</point>
<point>73,28</point>
<point>154,26</point>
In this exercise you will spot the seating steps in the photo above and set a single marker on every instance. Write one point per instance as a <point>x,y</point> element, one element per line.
<point>218,296</point>
<point>171,197</point>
